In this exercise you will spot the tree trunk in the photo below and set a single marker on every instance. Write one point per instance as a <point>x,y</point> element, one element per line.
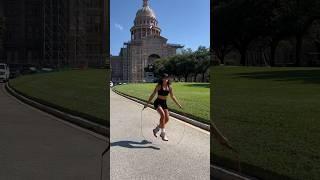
<point>221,56</point>
<point>186,78</point>
<point>299,42</point>
<point>273,48</point>
<point>195,78</point>
<point>242,48</point>
<point>222,59</point>
<point>317,44</point>
<point>203,75</point>
<point>243,54</point>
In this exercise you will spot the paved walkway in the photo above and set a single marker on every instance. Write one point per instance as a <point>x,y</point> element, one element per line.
<point>132,157</point>
<point>38,146</point>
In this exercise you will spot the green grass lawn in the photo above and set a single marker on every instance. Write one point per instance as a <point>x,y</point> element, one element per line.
<point>81,91</point>
<point>272,117</point>
<point>194,97</point>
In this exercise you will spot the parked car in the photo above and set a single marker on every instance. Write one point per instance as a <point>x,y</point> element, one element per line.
<point>4,72</point>
<point>28,69</point>
<point>46,69</point>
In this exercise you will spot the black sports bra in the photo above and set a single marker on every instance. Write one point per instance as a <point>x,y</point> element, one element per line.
<point>162,92</point>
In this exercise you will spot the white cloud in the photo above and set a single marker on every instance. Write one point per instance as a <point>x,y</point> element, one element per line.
<point>118,26</point>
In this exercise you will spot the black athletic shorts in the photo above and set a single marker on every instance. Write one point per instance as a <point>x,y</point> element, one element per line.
<point>160,102</point>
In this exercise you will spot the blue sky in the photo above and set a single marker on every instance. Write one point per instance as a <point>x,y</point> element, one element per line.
<point>185,22</point>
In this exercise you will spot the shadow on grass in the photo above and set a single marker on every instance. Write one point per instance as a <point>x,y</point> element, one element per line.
<point>311,76</point>
<point>133,144</point>
<point>202,85</point>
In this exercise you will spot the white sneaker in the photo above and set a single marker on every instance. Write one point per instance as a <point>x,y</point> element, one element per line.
<point>164,136</point>
<point>155,131</point>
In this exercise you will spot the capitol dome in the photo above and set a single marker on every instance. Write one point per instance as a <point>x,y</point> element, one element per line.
<point>145,23</point>
<point>146,11</point>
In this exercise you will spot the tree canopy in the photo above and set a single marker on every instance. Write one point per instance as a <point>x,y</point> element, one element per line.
<point>185,65</point>
<point>239,24</point>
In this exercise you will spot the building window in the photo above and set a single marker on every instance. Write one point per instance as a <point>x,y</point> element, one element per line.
<point>9,56</point>
<point>98,19</point>
<point>16,56</point>
<point>29,56</point>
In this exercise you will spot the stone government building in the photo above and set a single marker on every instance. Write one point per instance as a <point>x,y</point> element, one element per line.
<point>55,32</point>
<point>145,47</point>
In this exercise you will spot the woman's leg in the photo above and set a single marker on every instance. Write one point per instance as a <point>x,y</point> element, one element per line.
<point>162,117</point>
<point>166,112</point>
<point>165,120</point>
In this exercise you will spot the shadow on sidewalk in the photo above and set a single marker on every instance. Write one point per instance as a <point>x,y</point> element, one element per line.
<point>132,144</point>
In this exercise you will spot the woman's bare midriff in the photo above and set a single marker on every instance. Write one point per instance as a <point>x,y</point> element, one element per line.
<point>162,97</point>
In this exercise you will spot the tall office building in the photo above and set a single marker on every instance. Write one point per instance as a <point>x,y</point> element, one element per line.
<point>55,32</point>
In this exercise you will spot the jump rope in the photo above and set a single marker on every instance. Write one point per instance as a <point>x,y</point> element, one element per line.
<point>153,142</point>
<point>234,152</point>
<point>101,160</point>
<point>237,156</point>
<point>141,134</point>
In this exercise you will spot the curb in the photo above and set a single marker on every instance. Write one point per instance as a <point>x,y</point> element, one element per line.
<point>173,114</point>
<point>222,174</point>
<point>84,123</point>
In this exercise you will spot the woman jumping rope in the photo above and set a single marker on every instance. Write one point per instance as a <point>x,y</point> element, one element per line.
<point>160,104</point>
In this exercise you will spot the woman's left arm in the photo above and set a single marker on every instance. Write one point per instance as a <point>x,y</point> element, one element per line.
<point>173,97</point>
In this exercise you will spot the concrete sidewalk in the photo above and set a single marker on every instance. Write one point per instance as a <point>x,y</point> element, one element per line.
<point>132,157</point>
<point>35,145</point>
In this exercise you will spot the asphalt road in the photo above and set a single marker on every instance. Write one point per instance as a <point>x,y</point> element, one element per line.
<point>35,145</point>
<point>136,155</point>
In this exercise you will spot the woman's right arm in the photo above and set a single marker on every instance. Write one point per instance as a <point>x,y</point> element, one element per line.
<point>151,96</point>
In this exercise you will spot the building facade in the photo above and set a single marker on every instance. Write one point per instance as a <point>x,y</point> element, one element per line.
<point>1,30</point>
<point>146,45</point>
<point>55,33</point>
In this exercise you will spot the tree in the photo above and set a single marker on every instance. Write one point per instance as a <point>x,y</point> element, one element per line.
<point>171,66</point>
<point>202,56</point>
<point>186,51</point>
<point>178,63</point>
<point>185,64</point>
<point>159,66</point>
<point>238,24</point>
<point>222,32</point>
<point>205,65</point>
<point>299,16</point>
<point>305,13</point>
<point>280,27</point>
